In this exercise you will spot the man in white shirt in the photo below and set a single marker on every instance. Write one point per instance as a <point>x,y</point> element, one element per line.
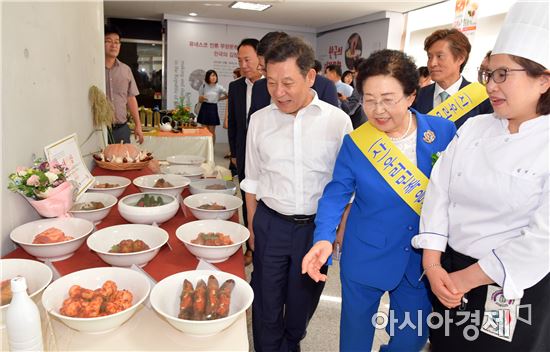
<point>291,149</point>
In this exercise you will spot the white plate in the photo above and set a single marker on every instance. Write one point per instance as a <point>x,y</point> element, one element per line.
<point>186,159</point>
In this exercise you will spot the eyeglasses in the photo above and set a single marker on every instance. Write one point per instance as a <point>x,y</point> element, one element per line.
<point>498,75</point>
<point>111,42</point>
<point>384,103</point>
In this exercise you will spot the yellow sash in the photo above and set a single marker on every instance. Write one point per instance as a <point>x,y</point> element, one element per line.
<point>397,170</point>
<point>460,103</point>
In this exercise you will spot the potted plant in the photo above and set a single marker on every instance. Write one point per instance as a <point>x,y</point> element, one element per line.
<point>181,115</point>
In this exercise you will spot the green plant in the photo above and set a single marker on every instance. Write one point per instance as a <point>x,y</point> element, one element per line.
<point>182,112</point>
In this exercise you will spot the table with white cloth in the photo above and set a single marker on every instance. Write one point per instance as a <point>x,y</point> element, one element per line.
<point>192,141</point>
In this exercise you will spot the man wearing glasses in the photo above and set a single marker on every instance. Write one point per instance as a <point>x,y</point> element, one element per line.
<point>121,90</point>
<point>448,51</point>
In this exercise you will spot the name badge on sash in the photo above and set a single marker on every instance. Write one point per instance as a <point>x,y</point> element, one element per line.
<point>461,103</point>
<point>500,317</point>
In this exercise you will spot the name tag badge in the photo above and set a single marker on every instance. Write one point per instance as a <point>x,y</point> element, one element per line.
<point>500,317</point>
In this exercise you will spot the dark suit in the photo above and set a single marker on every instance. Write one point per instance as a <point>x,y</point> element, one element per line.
<point>424,103</point>
<point>325,88</point>
<point>236,128</point>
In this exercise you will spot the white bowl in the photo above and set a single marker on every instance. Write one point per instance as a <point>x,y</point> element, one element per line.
<point>146,183</point>
<point>165,299</point>
<point>75,227</point>
<point>96,215</point>
<point>186,159</point>
<point>38,275</point>
<point>212,254</point>
<point>148,215</point>
<point>192,172</point>
<point>101,242</point>
<point>58,291</point>
<point>230,202</point>
<point>123,182</point>
<point>199,186</point>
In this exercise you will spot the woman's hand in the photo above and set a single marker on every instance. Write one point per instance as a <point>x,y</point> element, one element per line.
<point>315,259</point>
<point>443,287</point>
<point>202,98</point>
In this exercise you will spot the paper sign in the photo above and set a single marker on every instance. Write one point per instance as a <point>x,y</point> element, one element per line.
<point>66,151</point>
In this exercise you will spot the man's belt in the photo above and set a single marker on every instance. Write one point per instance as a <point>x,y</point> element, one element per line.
<point>296,219</point>
<point>116,126</point>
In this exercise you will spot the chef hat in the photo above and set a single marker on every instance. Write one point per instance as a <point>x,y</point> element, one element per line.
<point>525,32</point>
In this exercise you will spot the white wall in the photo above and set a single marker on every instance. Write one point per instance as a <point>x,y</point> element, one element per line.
<point>51,54</point>
<point>421,23</point>
<point>183,59</point>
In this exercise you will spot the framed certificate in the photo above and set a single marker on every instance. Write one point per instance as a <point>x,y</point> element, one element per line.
<point>66,151</point>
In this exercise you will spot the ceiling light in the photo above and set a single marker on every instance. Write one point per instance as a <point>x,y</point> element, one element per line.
<point>193,14</point>
<point>249,6</point>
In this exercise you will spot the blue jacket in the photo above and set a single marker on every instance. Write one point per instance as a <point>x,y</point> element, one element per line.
<point>376,250</point>
<point>424,103</point>
<point>325,88</point>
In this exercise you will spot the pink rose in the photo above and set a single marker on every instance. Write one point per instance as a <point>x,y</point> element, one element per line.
<point>34,180</point>
<point>55,170</point>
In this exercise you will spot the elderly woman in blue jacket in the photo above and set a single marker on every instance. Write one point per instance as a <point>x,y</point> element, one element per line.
<point>386,163</point>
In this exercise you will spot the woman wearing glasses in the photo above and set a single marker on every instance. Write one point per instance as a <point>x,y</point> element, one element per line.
<point>484,226</point>
<point>377,256</point>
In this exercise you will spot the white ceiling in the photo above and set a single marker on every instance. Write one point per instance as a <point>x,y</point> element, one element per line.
<point>314,14</point>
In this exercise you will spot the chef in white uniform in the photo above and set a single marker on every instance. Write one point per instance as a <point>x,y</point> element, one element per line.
<point>484,224</point>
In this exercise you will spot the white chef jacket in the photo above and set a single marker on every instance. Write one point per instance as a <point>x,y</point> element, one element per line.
<point>488,199</point>
<point>290,159</point>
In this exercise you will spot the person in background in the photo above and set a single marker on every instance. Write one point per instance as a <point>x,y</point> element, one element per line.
<point>334,73</point>
<point>210,93</point>
<point>376,254</point>
<point>283,185</point>
<point>325,89</point>
<point>121,90</point>
<point>483,66</point>
<point>318,67</point>
<point>424,78</point>
<point>347,78</point>
<point>484,225</point>
<point>238,105</point>
<point>236,75</point>
<point>448,51</point>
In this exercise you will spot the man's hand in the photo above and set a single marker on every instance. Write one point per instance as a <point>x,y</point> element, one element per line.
<point>315,259</point>
<point>138,133</point>
<point>234,161</point>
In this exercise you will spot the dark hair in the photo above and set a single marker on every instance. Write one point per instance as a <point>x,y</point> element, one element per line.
<point>348,72</point>
<point>110,29</point>
<point>317,66</point>
<point>237,72</point>
<point>269,40</point>
<point>207,76</point>
<point>249,42</point>
<point>392,63</point>
<point>334,68</point>
<point>423,71</point>
<point>535,70</point>
<point>458,43</point>
<point>292,47</point>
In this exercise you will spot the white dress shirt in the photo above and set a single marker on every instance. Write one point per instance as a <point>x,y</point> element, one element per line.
<point>290,159</point>
<point>453,88</point>
<point>488,199</point>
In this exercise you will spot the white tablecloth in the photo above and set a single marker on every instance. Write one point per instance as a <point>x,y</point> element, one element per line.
<point>162,147</point>
<point>144,331</point>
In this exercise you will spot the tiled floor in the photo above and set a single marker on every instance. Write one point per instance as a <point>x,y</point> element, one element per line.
<point>323,330</point>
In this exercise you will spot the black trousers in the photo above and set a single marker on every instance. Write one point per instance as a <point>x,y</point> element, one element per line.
<point>284,299</point>
<point>527,337</point>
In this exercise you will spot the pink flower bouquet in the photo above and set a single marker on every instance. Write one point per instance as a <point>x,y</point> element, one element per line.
<point>45,186</point>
